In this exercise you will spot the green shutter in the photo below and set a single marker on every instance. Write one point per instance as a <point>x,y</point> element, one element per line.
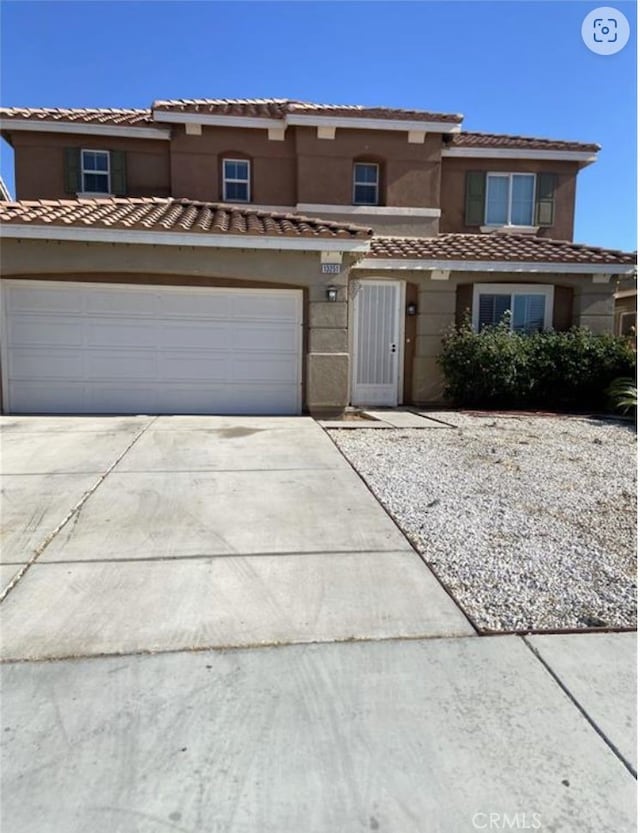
<point>72,183</point>
<point>545,199</point>
<point>474,205</point>
<point>118,162</point>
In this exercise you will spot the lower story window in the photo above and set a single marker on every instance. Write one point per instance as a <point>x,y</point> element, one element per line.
<point>528,307</point>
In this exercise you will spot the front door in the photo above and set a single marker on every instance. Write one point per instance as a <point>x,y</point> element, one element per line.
<point>377,343</point>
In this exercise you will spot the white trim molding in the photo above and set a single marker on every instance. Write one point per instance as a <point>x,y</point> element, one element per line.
<point>374,210</point>
<point>363,123</point>
<point>440,275</point>
<point>176,238</point>
<point>510,229</point>
<point>421,265</point>
<point>601,278</point>
<point>521,153</point>
<point>513,289</point>
<point>83,128</point>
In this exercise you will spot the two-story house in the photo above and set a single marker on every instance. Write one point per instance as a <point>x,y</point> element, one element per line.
<point>275,256</point>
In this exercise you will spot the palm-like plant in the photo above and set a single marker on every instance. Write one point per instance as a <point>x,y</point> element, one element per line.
<point>624,394</point>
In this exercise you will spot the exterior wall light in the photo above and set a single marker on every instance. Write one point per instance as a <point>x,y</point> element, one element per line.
<point>412,309</point>
<point>332,293</point>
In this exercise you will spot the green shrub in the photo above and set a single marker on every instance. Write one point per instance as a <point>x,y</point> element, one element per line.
<point>499,368</point>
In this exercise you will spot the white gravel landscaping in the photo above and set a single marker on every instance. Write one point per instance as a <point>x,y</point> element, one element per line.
<point>530,521</point>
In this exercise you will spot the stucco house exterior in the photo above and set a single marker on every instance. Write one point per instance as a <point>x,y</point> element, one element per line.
<point>275,256</point>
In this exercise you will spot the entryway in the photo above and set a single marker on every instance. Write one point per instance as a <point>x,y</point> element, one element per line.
<point>377,343</point>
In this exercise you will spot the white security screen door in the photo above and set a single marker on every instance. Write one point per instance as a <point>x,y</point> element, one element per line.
<point>377,343</point>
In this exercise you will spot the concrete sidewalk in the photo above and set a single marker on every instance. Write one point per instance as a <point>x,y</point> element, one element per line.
<point>200,539</point>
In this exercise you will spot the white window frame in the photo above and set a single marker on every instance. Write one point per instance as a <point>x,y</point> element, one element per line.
<point>368,184</point>
<point>513,289</point>
<point>84,192</point>
<point>509,176</point>
<point>228,180</point>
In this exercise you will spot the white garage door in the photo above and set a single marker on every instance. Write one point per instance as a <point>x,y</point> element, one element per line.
<point>105,348</point>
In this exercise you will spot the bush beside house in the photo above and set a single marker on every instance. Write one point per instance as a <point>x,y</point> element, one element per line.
<point>498,367</point>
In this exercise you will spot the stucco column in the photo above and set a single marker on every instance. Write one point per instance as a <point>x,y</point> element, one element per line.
<point>436,312</point>
<point>593,304</point>
<point>328,351</point>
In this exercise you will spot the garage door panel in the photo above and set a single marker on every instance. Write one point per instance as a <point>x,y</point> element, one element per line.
<point>179,305</point>
<point>112,364</point>
<point>127,302</point>
<point>261,337</point>
<point>123,334</point>
<point>207,335</point>
<point>89,348</point>
<point>30,299</point>
<point>39,365</point>
<point>35,398</point>
<point>30,330</point>
<point>175,367</point>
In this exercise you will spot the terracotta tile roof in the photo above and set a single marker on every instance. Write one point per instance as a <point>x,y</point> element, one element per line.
<point>266,108</point>
<point>170,215</point>
<point>495,246</point>
<point>76,115</point>
<point>503,140</point>
<point>277,108</point>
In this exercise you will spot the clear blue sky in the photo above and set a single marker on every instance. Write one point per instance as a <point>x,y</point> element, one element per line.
<point>516,67</point>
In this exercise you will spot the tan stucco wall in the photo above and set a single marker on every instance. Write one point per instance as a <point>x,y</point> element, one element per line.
<point>592,307</point>
<point>196,164</point>
<point>326,358</point>
<point>39,163</point>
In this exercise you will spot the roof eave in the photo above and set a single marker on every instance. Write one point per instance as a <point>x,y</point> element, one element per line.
<point>429,264</point>
<point>8,126</point>
<point>219,240</point>
<point>582,157</point>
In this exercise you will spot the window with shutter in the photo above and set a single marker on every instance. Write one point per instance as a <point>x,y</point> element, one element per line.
<point>95,172</point>
<point>510,199</point>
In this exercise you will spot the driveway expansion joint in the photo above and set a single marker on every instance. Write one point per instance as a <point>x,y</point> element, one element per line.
<point>71,515</point>
<point>253,646</point>
<point>614,749</point>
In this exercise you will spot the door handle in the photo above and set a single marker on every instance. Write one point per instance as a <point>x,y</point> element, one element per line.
<point>393,348</point>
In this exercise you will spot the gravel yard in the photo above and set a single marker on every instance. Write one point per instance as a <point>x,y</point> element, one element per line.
<point>530,521</point>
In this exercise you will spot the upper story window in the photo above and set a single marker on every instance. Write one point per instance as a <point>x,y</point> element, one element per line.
<point>366,183</point>
<point>530,306</point>
<point>236,180</point>
<point>95,172</point>
<point>510,199</point>
<point>499,199</point>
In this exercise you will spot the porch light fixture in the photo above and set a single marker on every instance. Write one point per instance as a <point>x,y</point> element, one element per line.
<point>332,293</point>
<point>412,309</point>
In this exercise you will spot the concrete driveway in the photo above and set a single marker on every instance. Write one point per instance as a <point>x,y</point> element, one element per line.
<point>161,578</point>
